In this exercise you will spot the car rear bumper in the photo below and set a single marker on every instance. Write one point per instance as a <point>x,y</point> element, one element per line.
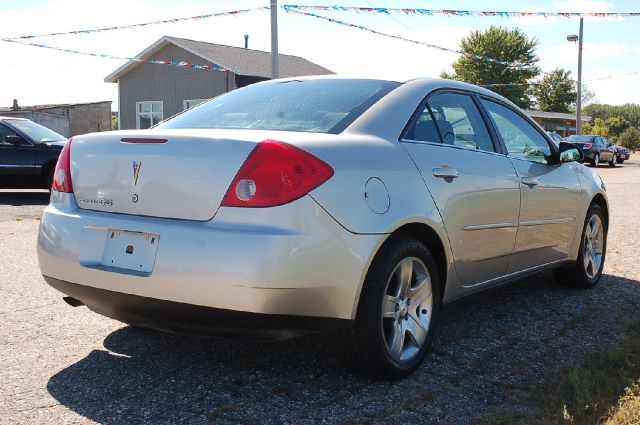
<point>293,260</point>
<point>194,319</point>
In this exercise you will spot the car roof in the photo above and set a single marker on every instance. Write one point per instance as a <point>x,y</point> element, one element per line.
<point>13,118</point>
<point>426,84</point>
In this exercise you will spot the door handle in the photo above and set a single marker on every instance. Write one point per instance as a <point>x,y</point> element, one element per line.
<point>530,181</point>
<point>445,172</point>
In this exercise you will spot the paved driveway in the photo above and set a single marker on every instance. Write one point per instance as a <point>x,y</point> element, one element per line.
<point>68,365</point>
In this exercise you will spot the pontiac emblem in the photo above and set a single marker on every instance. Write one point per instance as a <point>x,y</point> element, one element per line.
<point>136,171</point>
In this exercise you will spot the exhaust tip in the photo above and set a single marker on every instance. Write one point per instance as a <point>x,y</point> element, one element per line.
<point>72,301</point>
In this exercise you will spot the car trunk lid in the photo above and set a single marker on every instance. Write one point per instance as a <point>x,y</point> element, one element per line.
<point>180,174</point>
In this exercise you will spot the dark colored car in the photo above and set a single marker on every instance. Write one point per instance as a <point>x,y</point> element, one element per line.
<point>622,154</point>
<point>596,149</point>
<point>28,154</point>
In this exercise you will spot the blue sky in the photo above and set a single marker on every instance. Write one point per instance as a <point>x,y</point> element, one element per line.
<point>37,76</point>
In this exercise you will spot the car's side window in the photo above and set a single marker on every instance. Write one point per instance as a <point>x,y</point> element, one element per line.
<point>459,121</point>
<point>5,131</point>
<point>423,129</point>
<point>521,139</point>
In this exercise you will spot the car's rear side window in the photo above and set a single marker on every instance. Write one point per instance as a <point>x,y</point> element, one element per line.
<point>453,119</point>
<point>322,105</point>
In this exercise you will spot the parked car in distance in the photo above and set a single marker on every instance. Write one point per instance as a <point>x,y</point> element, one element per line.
<point>360,211</point>
<point>28,154</point>
<point>596,149</point>
<point>622,154</point>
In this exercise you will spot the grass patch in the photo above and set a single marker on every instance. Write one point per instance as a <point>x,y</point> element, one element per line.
<point>603,388</point>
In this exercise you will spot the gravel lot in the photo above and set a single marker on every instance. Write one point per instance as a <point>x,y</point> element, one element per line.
<point>66,365</point>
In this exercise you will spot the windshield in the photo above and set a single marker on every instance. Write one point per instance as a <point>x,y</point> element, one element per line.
<point>324,106</point>
<point>579,139</point>
<point>34,131</point>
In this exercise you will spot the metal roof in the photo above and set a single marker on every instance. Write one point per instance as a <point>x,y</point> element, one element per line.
<point>555,115</point>
<point>242,61</point>
<point>51,106</point>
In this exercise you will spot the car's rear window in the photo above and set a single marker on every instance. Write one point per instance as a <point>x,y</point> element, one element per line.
<point>323,106</point>
<point>579,139</point>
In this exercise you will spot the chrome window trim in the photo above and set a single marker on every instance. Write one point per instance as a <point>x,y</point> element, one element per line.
<point>20,166</point>
<point>440,144</point>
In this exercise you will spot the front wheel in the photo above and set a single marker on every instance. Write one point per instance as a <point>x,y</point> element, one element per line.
<point>587,270</point>
<point>613,162</point>
<point>620,161</point>
<point>596,160</point>
<point>397,312</point>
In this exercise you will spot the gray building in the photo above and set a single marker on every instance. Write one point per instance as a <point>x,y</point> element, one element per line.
<point>69,119</point>
<point>149,93</point>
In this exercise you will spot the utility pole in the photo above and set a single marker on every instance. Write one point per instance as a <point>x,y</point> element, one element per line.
<point>579,100</point>
<point>274,39</point>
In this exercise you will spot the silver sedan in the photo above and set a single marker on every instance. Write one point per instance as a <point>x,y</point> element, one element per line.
<point>325,204</point>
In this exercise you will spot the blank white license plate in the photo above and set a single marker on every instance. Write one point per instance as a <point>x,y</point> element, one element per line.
<point>128,250</point>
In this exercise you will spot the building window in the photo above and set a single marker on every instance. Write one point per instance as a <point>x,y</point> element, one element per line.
<point>148,114</point>
<point>188,104</point>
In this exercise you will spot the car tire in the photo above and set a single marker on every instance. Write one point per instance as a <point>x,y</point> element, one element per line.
<point>587,269</point>
<point>392,333</point>
<point>613,161</point>
<point>596,160</point>
<point>620,161</point>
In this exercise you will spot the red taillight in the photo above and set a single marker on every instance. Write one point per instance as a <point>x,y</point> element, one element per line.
<point>62,174</point>
<point>587,145</point>
<point>275,173</point>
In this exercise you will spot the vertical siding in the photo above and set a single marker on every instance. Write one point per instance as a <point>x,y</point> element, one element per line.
<point>169,84</point>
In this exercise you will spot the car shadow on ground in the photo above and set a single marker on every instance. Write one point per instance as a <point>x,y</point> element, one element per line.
<point>18,198</point>
<point>488,348</point>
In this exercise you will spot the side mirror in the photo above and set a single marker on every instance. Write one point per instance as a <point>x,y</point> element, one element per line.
<point>13,139</point>
<point>568,152</point>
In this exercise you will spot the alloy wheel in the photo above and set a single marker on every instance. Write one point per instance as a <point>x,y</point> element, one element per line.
<point>407,308</point>
<point>593,245</point>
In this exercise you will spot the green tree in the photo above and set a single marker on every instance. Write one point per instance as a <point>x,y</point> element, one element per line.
<point>630,138</point>
<point>628,111</point>
<point>555,92</point>
<point>599,127</point>
<point>617,125</point>
<point>504,44</point>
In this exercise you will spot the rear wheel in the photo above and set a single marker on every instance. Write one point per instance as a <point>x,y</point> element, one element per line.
<point>587,270</point>
<point>397,312</point>
<point>620,161</point>
<point>613,162</point>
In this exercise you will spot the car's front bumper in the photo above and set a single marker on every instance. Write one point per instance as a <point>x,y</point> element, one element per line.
<point>293,260</point>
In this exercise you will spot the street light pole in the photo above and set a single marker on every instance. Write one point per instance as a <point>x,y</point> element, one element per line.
<point>274,39</point>
<point>579,100</point>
